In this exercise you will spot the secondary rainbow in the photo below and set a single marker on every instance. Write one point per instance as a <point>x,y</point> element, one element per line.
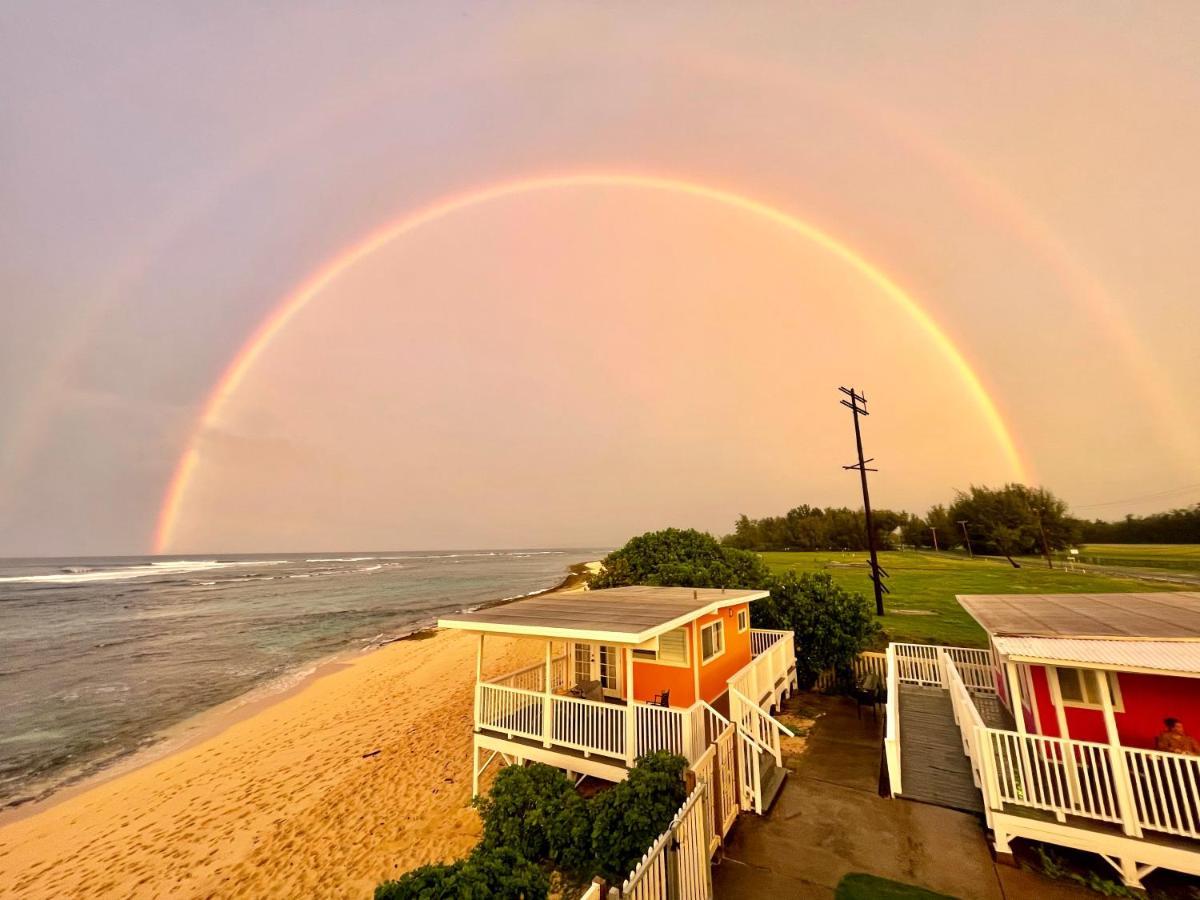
<point>235,373</point>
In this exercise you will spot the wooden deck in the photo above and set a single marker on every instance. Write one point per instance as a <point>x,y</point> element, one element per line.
<point>934,768</point>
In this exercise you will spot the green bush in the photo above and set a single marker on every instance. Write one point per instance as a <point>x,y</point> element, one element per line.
<point>487,874</point>
<point>627,818</point>
<point>680,558</point>
<point>536,811</point>
<point>831,625</point>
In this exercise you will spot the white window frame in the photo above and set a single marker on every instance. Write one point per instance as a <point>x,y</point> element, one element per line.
<point>718,627</point>
<point>743,616</point>
<point>1092,676</point>
<point>647,655</point>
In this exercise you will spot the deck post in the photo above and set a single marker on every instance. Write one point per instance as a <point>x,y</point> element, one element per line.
<point>478,680</point>
<point>1014,693</point>
<point>630,710</point>
<point>547,706</point>
<point>1064,732</point>
<point>1124,784</point>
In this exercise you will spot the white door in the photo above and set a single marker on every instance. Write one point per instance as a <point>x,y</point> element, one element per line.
<point>599,662</point>
<point>583,663</point>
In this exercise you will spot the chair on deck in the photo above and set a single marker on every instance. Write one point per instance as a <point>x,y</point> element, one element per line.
<point>663,699</point>
<point>588,690</point>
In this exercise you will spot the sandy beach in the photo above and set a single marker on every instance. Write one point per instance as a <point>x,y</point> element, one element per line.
<point>289,797</point>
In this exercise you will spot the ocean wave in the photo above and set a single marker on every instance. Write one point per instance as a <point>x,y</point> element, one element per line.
<point>155,569</point>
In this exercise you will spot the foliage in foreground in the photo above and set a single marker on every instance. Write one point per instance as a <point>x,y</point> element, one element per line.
<point>497,873</point>
<point>533,815</point>
<point>628,817</point>
<point>536,811</point>
<point>831,625</point>
<point>682,558</point>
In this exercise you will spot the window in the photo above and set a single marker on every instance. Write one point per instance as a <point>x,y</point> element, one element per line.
<point>743,620</point>
<point>1081,688</point>
<point>712,640</point>
<point>672,649</point>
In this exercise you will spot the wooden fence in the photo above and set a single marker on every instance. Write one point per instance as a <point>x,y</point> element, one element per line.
<point>676,867</point>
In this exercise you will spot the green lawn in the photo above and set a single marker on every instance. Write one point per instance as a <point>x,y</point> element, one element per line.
<point>1150,556</point>
<point>928,582</point>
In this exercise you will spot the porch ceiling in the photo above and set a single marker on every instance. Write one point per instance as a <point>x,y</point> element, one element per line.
<point>1163,617</point>
<point>629,615</point>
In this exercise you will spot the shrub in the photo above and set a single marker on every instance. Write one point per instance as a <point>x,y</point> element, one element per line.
<point>628,817</point>
<point>487,874</point>
<point>536,811</point>
<point>680,558</point>
<point>831,625</point>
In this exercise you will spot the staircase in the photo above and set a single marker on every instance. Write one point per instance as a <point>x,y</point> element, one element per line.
<point>773,776</point>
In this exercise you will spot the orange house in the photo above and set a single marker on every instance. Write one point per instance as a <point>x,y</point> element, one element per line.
<point>628,671</point>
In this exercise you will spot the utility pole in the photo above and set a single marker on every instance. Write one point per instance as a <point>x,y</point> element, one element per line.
<point>877,573</point>
<point>970,552</point>
<point>1045,543</point>
<point>933,531</point>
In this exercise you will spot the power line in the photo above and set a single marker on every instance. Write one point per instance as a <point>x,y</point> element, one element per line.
<point>1179,490</point>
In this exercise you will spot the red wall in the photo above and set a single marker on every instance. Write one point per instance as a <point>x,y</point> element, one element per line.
<point>1148,699</point>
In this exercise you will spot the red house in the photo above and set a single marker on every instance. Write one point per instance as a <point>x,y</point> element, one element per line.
<point>1066,649</point>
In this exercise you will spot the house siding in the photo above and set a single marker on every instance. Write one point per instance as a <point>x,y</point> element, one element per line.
<point>651,678</point>
<point>1147,699</point>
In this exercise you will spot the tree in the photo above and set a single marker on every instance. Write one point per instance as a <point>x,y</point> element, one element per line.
<point>1009,520</point>
<point>536,811</point>
<point>682,558</point>
<point>1176,526</point>
<point>629,816</point>
<point>831,625</point>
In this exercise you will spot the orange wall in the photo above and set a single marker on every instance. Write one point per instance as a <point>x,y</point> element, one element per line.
<point>714,676</point>
<point>651,678</point>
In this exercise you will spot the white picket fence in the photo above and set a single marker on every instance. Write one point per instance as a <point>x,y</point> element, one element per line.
<point>676,867</point>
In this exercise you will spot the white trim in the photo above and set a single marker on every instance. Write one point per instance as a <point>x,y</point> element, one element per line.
<point>1114,682</point>
<point>600,636</point>
<point>1105,667</point>
<point>705,660</point>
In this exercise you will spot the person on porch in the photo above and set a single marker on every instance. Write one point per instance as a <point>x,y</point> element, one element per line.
<point>1174,740</point>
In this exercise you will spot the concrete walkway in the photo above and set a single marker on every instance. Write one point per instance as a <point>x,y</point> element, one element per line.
<point>830,821</point>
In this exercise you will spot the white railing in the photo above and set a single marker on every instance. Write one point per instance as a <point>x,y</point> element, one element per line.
<point>588,725</point>
<point>866,663</point>
<point>726,787</point>
<point>762,639</point>
<point>922,664</point>
<point>662,728</point>
<point>675,867</point>
<point>891,738</point>
<point>768,676</point>
<point>517,712</point>
<point>968,719</point>
<point>1165,790</point>
<point>533,678</point>
<point>1059,775</point>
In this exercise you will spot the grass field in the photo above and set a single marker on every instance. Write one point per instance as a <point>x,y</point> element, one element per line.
<point>927,582</point>
<point>1147,556</point>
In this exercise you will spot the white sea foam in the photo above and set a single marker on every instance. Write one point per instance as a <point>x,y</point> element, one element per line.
<point>142,570</point>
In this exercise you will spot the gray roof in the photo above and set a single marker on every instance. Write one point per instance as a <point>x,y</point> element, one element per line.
<point>627,615</point>
<point>1157,616</point>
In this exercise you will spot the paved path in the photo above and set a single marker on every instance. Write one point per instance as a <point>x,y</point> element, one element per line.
<point>830,821</point>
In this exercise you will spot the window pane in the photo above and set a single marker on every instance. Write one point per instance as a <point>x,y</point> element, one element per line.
<point>706,640</point>
<point>719,636</point>
<point>1070,685</point>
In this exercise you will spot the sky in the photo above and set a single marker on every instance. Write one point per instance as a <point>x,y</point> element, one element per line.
<point>405,276</point>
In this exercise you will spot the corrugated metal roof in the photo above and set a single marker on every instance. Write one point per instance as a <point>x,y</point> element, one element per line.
<point>1160,656</point>
<point>621,615</point>
<point>1159,616</point>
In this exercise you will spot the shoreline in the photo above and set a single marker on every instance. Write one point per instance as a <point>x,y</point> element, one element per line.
<point>356,774</point>
<point>214,721</point>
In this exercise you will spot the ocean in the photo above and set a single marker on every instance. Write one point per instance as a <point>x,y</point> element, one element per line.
<point>98,657</point>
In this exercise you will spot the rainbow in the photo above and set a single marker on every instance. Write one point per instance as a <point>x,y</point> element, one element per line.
<point>291,305</point>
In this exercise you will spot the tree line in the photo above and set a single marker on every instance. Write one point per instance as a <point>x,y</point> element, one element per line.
<point>1012,520</point>
<point>1175,526</point>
